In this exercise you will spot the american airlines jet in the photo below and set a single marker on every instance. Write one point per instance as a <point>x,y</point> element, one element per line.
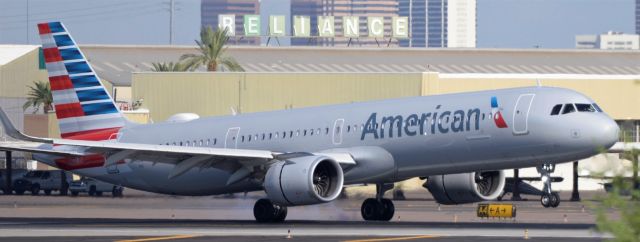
<point>460,142</point>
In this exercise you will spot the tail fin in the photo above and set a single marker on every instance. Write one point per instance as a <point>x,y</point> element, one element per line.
<point>84,108</point>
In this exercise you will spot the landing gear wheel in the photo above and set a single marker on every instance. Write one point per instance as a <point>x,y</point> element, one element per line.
<point>388,209</point>
<point>555,200</point>
<point>545,200</point>
<point>370,209</point>
<point>35,189</point>
<point>265,211</point>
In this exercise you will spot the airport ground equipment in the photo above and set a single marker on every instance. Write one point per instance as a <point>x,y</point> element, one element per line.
<point>94,187</point>
<point>43,180</point>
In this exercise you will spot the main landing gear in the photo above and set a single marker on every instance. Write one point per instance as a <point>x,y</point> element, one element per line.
<point>548,198</point>
<point>266,211</point>
<point>379,208</point>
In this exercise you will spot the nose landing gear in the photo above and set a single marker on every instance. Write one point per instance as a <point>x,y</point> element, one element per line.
<point>379,208</point>
<point>548,198</point>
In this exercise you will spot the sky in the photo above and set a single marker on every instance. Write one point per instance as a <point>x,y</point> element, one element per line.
<point>501,23</point>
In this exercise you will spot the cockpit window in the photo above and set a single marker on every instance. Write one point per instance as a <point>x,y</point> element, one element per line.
<point>568,108</point>
<point>556,109</point>
<point>585,107</point>
<point>597,108</point>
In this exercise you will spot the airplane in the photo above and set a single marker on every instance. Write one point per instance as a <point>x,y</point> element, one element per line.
<point>460,142</point>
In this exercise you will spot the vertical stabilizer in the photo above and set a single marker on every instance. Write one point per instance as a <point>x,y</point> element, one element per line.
<point>84,109</point>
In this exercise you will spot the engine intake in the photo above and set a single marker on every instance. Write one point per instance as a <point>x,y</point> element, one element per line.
<point>304,180</point>
<point>466,187</point>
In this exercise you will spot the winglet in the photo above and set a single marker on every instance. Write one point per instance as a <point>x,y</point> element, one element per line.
<point>11,130</point>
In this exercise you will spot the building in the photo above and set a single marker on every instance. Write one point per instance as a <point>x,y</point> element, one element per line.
<point>211,9</point>
<point>440,23</point>
<point>609,41</point>
<point>637,16</point>
<point>341,8</point>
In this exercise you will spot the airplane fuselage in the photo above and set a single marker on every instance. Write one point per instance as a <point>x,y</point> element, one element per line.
<point>430,135</point>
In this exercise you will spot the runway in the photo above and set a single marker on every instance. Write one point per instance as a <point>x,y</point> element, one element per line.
<point>327,230</point>
<point>145,217</point>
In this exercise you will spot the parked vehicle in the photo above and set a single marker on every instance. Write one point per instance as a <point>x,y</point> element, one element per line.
<point>15,175</point>
<point>47,181</point>
<point>94,188</point>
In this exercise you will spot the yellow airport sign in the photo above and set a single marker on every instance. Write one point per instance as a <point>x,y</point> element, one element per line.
<point>496,210</point>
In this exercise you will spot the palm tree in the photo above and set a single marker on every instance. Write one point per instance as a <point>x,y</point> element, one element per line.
<point>172,67</point>
<point>39,95</point>
<point>212,52</point>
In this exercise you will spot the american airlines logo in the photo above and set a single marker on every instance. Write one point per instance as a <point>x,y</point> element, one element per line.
<point>429,123</point>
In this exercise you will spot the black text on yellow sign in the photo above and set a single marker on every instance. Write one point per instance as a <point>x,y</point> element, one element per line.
<point>496,210</point>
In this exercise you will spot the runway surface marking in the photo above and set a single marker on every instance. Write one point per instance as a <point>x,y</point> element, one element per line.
<point>394,238</point>
<point>160,238</point>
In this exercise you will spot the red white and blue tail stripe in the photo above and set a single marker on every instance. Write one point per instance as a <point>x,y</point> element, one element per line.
<point>84,109</point>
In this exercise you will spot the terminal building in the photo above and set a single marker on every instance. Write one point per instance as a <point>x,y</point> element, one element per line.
<point>293,77</point>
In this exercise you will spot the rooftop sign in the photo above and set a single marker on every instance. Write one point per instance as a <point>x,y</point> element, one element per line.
<point>326,26</point>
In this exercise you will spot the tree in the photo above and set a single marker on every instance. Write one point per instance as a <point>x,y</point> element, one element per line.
<point>212,52</point>
<point>171,67</point>
<point>625,226</point>
<point>39,95</point>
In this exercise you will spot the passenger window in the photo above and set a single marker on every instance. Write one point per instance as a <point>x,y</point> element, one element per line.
<point>568,108</point>
<point>585,107</point>
<point>556,109</point>
<point>597,108</point>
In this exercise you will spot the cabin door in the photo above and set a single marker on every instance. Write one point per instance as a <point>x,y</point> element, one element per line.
<point>231,139</point>
<point>521,114</point>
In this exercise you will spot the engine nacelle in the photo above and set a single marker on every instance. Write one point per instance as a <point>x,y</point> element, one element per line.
<point>304,180</point>
<point>466,187</point>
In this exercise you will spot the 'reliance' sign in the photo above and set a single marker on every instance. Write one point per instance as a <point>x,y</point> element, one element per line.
<point>326,26</point>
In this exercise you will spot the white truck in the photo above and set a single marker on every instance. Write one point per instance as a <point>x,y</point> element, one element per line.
<point>94,187</point>
<point>43,180</point>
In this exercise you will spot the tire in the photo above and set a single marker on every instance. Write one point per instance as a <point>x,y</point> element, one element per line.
<point>388,209</point>
<point>555,200</point>
<point>74,193</point>
<point>545,200</point>
<point>92,191</point>
<point>370,209</point>
<point>264,211</point>
<point>282,215</point>
<point>35,189</point>
<point>47,192</point>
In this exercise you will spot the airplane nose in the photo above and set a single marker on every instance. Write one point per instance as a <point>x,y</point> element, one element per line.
<point>609,133</point>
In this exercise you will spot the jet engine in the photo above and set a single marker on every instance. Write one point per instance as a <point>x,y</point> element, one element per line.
<point>304,180</point>
<point>466,187</point>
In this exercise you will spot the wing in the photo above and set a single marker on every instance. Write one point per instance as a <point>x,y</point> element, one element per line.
<point>240,162</point>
